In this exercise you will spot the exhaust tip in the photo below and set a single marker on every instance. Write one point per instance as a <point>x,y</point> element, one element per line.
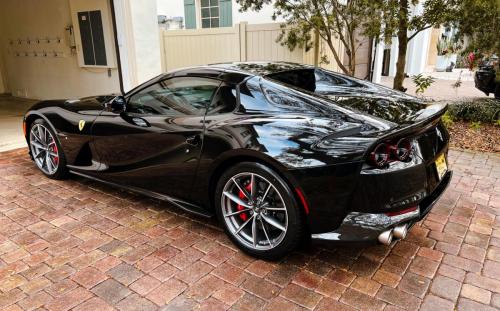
<point>401,231</point>
<point>386,237</point>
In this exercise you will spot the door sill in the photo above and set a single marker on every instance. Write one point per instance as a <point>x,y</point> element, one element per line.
<point>188,207</point>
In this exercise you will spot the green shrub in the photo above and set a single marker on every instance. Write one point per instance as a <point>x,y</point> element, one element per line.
<point>447,119</point>
<point>475,125</point>
<point>478,110</point>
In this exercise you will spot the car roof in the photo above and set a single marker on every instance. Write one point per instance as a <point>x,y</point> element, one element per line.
<point>235,72</point>
<point>230,72</point>
<point>260,68</point>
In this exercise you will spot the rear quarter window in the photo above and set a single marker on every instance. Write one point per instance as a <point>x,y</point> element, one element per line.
<point>259,94</point>
<point>314,79</point>
<point>328,79</point>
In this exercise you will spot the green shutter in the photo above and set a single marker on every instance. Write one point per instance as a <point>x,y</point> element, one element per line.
<point>226,13</point>
<point>189,14</point>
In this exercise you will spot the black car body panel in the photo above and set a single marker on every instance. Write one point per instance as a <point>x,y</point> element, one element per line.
<point>486,77</point>
<point>317,135</point>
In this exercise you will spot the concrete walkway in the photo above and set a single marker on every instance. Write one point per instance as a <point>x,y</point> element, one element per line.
<point>12,110</point>
<point>442,88</point>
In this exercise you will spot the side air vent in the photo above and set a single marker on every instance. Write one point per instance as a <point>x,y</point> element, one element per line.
<point>84,157</point>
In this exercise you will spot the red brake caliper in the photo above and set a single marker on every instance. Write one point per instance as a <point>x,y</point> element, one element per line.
<point>243,216</point>
<point>56,159</point>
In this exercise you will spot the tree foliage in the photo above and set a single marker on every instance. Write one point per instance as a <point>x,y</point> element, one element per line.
<point>422,83</point>
<point>329,19</point>
<point>397,20</point>
<point>478,23</point>
<point>477,20</point>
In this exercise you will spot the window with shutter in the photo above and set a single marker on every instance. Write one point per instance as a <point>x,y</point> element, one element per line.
<point>209,13</point>
<point>190,14</point>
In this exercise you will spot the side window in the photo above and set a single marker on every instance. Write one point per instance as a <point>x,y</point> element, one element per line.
<point>173,97</point>
<point>224,101</point>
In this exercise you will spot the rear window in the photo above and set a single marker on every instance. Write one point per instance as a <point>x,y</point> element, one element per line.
<point>304,79</point>
<point>259,94</point>
<point>313,80</point>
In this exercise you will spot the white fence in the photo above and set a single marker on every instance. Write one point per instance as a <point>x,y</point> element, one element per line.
<point>243,42</point>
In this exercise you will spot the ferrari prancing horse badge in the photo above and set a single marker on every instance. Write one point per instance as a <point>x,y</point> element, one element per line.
<point>81,124</point>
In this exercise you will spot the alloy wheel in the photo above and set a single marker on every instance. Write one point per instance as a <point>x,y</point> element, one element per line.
<point>254,211</point>
<point>44,149</point>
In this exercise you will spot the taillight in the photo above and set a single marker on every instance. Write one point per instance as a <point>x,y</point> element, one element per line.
<point>390,151</point>
<point>402,150</point>
<point>380,155</point>
<point>405,211</point>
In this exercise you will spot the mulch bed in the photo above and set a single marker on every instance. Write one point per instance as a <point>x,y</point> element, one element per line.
<point>486,138</point>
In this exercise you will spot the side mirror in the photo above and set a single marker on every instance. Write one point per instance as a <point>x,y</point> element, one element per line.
<point>117,104</point>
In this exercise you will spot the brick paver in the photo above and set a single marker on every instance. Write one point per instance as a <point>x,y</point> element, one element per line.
<point>77,244</point>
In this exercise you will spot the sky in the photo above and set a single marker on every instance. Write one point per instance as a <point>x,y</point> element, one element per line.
<point>170,8</point>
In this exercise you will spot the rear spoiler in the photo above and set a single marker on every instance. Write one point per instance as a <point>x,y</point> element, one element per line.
<point>429,118</point>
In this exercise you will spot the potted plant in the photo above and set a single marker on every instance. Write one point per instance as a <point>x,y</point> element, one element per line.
<point>443,54</point>
<point>453,50</point>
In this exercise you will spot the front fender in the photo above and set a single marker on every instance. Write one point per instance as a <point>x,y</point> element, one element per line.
<point>72,128</point>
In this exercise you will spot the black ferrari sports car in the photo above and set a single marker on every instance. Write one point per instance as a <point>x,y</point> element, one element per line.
<point>278,151</point>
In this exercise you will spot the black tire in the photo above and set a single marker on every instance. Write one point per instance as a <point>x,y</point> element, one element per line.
<point>497,91</point>
<point>62,170</point>
<point>294,231</point>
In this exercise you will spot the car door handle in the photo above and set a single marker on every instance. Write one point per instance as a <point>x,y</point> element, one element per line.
<point>140,122</point>
<point>193,140</point>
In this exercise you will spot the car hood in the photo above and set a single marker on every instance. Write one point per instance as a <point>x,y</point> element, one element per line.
<point>88,103</point>
<point>85,105</point>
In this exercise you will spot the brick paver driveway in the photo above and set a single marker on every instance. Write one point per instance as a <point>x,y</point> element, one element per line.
<point>78,244</point>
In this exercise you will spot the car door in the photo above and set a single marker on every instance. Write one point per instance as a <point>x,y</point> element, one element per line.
<point>155,143</point>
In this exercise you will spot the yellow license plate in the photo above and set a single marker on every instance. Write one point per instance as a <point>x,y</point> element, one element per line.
<point>441,166</point>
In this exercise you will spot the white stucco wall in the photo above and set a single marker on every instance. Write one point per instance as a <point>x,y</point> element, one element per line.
<point>3,87</point>
<point>45,77</point>
<point>138,41</point>
<point>146,39</point>
<point>416,54</point>
<point>416,57</point>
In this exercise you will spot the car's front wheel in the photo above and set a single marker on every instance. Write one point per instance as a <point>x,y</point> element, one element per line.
<point>258,210</point>
<point>46,150</point>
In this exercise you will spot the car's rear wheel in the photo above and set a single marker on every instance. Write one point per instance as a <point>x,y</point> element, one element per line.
<point>46,150</point>
<point>258,210</point>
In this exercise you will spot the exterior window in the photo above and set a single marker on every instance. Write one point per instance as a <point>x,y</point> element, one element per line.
<point>224,100</point>
<point>209,13</point>
<point>174,97</point>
